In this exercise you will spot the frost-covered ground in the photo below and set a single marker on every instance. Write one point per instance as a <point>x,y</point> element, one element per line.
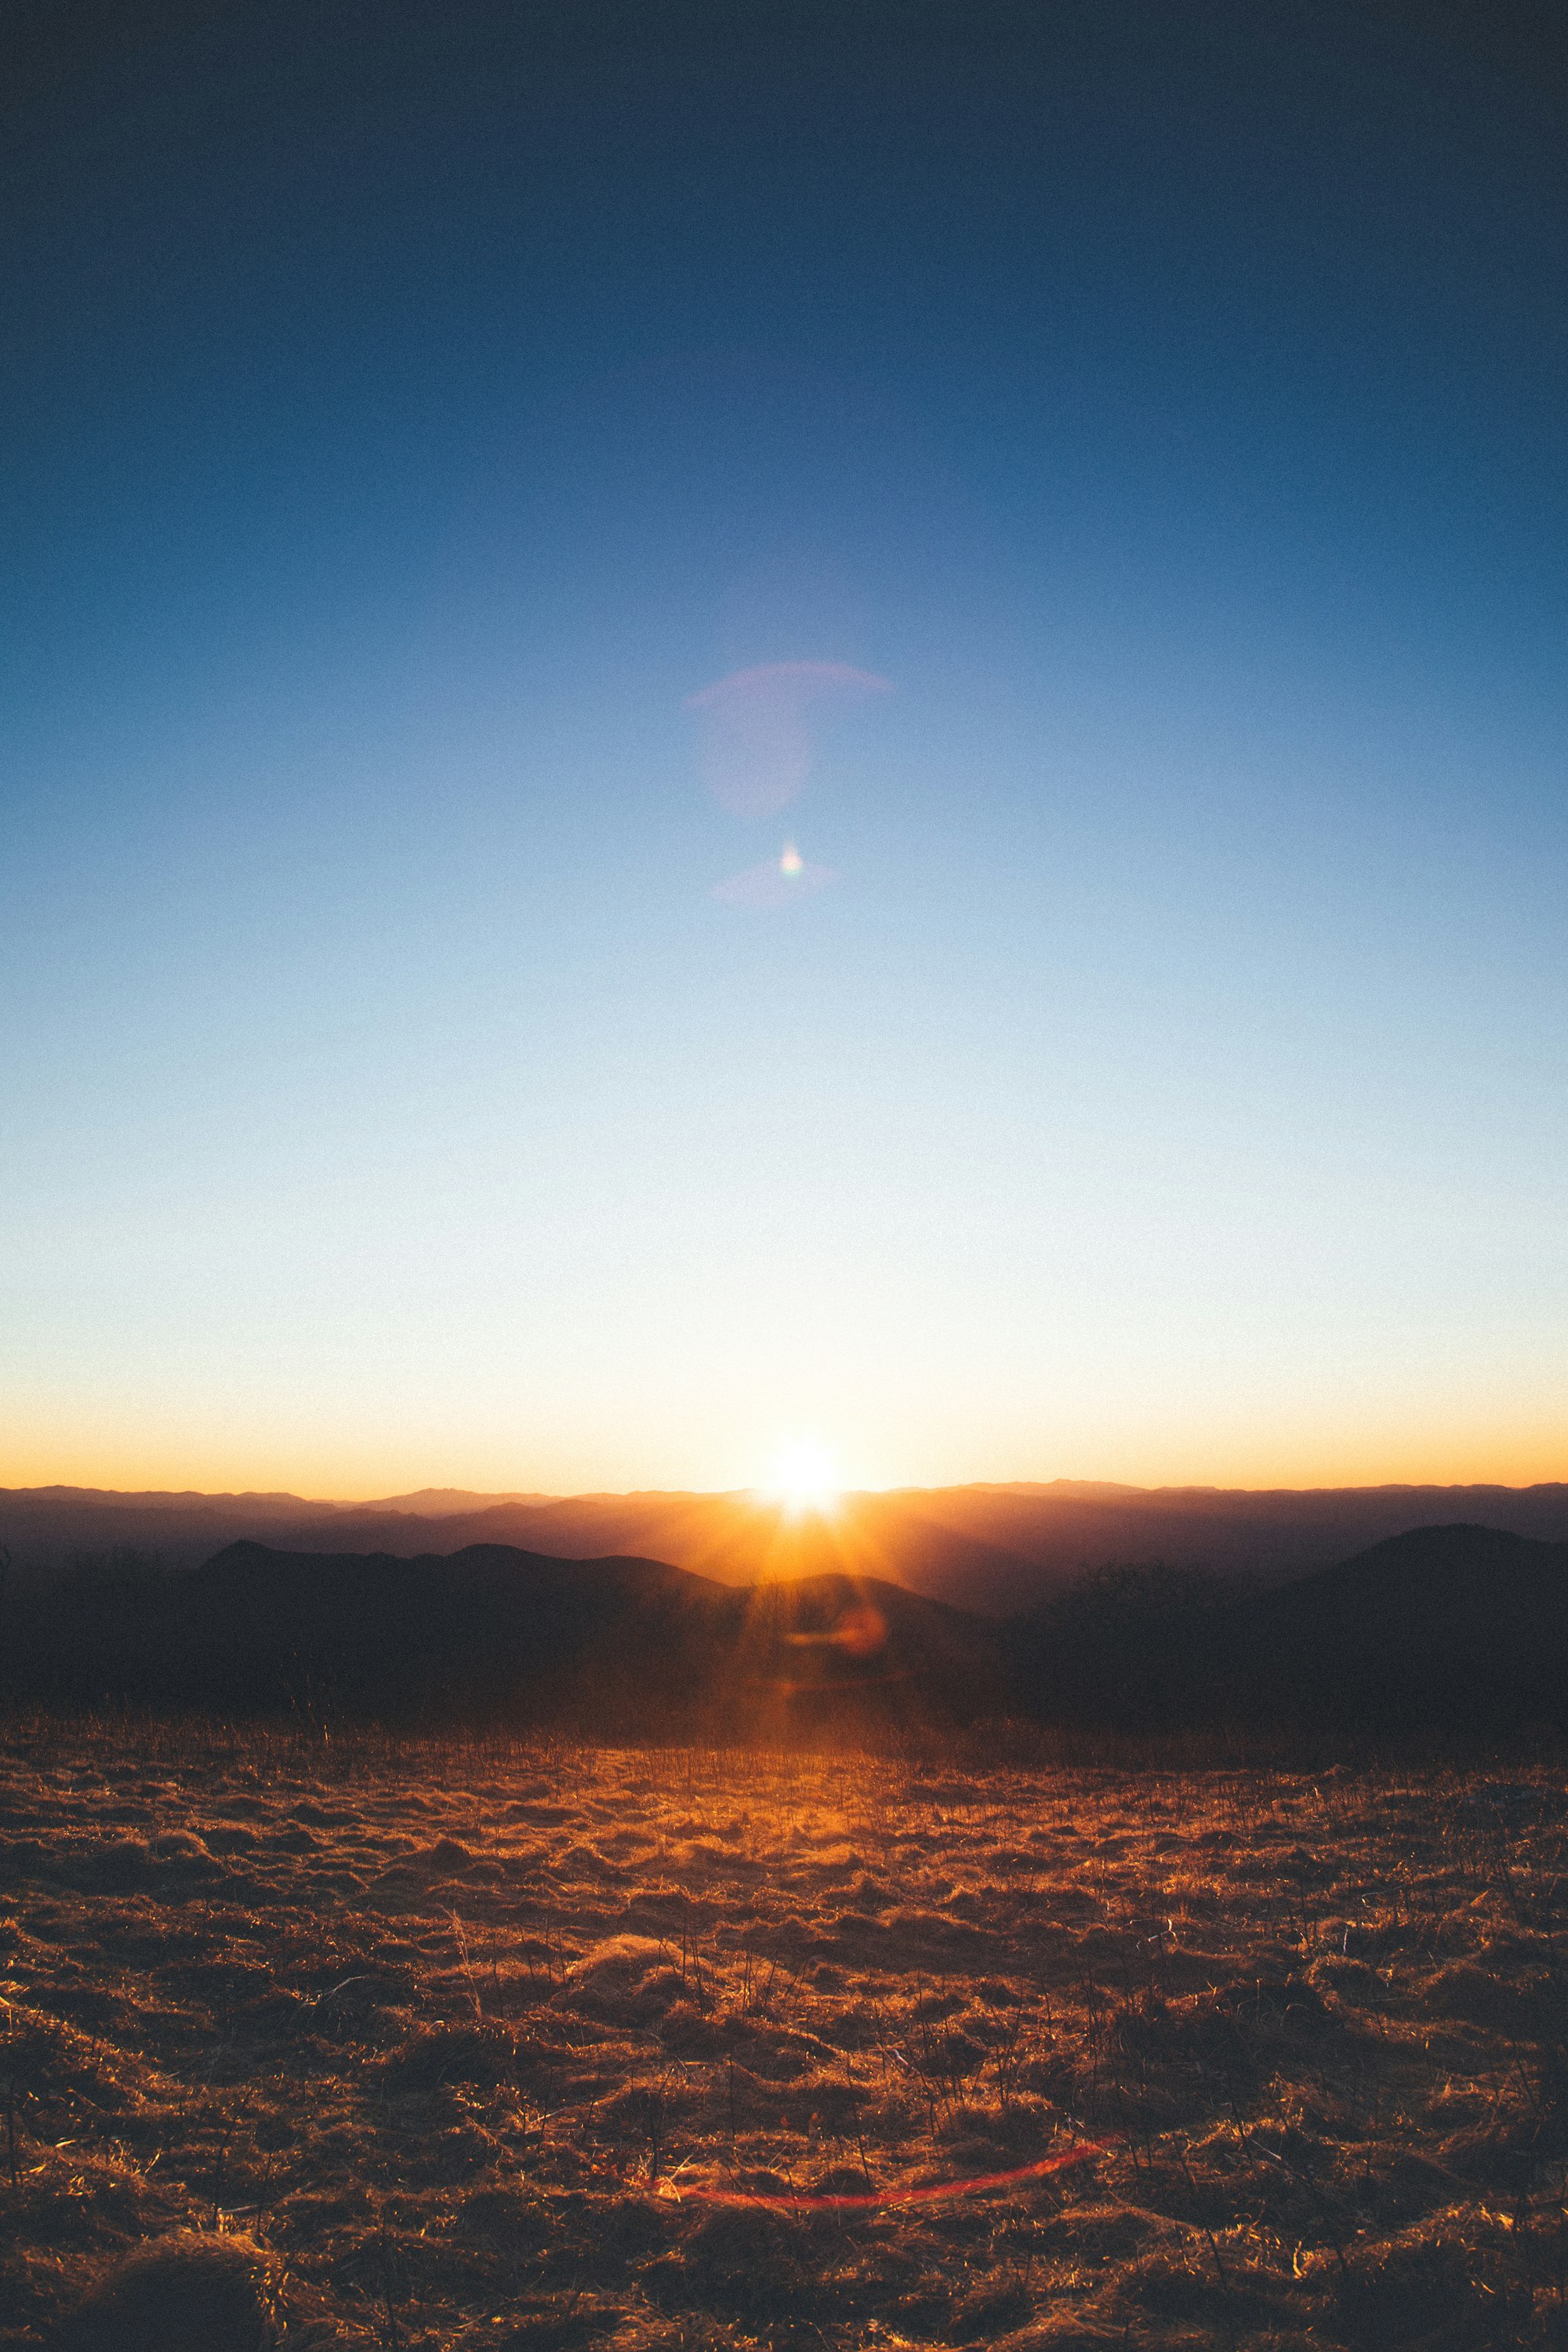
<point>456,2047</point>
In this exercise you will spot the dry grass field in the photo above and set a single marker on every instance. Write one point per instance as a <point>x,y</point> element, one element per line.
<point>554,2046</point>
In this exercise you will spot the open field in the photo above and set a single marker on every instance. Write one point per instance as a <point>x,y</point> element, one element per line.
<point>472,2045</point>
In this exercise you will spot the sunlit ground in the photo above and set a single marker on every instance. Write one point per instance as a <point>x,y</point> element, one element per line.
<point>560,2047</point>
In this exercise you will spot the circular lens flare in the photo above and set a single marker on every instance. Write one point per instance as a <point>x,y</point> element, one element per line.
<point>756,739</point>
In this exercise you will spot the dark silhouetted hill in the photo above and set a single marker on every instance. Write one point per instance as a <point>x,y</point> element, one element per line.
<point>1453,1628</point>
<point>494,1634</point>
<point>999,1549</point>
<point>1456,1626</point>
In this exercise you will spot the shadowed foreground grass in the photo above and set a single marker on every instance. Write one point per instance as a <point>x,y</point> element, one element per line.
<point>463,2046</point>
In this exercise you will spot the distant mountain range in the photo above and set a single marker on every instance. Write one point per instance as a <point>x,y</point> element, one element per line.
<point>997,1549</point>
<point>1455,1628</point>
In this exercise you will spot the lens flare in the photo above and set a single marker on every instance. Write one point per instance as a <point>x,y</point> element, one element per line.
<point>776,883</point>
<point>924,2192</point>
<point>756,750</point>
<point>859,1631</point>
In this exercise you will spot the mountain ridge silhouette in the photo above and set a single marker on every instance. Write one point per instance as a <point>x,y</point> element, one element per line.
<point>995,1547</point>
<point>1460,1627</point>
<point>495,1631</point>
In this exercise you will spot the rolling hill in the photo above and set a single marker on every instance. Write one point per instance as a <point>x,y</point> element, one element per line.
<point>1446,1629</point>
<point>998,1549</point>
<point>1456,1626</point>
<point>491,1633</point>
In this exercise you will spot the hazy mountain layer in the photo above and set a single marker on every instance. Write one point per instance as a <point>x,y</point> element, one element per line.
<point>997,1549</point>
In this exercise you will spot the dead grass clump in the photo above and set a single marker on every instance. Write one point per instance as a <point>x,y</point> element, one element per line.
<point>46,2060</point>
<point>991,2313</point>
<point>744,2263</point>
<point>626,1978</point>
<point>112,1865</point>
<point>188,2292</point>
<point>1336,1972</point>
<point>1177,2282</point>
<point>1425,2292</point>
<point>1478,1996</point>
<point>1067,2331</point>
<point>549,2331</point>
<point>510,2214</point>
<point>482,2052</point>
<point>690,2032</point>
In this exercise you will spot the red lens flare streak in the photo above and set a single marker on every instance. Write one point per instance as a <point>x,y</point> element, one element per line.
<point>926,2192</point>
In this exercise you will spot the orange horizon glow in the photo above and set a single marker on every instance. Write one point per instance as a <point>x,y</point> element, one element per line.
<point>363,1478</point>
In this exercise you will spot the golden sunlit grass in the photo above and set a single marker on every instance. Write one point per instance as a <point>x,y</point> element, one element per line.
<point>455,2047</point>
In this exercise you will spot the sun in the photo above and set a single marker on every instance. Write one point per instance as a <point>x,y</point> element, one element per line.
<point>804,1476</point>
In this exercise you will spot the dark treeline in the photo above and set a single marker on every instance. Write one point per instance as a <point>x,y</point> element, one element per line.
<point>1451,1629</point>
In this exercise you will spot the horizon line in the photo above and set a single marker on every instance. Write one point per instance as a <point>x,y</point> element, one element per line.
<point>537,1499</point>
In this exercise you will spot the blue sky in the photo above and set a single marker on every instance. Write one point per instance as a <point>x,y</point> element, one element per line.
<point>405,419</point>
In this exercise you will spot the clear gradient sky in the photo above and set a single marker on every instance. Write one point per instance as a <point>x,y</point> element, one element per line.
<point>407,410</point>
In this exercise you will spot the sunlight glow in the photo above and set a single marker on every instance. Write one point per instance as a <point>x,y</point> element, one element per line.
<point>804,1476</point>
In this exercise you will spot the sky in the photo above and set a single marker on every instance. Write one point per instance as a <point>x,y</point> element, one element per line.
<point>736,726</point>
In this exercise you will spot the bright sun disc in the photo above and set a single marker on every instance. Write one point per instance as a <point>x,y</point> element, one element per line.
<point>804,1478</point>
